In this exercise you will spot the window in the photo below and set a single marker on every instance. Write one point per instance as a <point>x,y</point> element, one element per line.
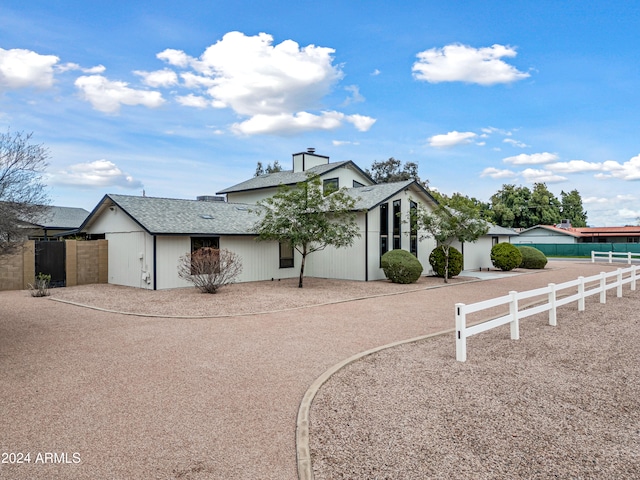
<point>330,185</point>
<point>286,255</point>
<point>208,260</point>
<point>396,225</point>
<point>357,184</point>
<point>413,240</point>
<point>384,229</point>
<point>494,240</point>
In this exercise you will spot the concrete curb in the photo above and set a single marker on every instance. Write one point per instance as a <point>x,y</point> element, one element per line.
<point>303,453</point>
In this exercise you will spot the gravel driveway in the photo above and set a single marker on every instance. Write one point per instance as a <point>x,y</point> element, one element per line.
<point>122,396</point>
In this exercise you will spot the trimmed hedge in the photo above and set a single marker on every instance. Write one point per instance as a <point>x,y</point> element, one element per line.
<point>401,266</point>
<point>436,259</point>
<point>532,258</point>
<point>505,256</point>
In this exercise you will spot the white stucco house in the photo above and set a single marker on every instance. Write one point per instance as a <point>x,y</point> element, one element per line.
<point>148,235</point>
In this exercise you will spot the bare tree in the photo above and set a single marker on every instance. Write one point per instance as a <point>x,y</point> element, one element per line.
<point>208,268</point>
<point>23,198</point>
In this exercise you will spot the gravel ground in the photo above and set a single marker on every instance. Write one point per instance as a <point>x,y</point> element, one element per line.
<point>561,402</point>
<point>193,398</point>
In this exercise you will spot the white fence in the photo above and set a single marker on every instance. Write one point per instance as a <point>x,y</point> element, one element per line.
<point>612,255</point>
<point>584,287</point>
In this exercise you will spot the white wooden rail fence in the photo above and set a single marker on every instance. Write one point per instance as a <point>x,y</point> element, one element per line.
<point>584,289</point>
<point>611,255</point>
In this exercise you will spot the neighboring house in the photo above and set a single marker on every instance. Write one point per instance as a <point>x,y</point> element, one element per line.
<point>148,235</point>
<point>565,234</point>
<point>54,223</point>
<point>477,255</point>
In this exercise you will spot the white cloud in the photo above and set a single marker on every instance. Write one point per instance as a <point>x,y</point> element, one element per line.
<point>192,100</point>
<point>574,166</point>
<point>158,78</point>
<point>515,143</point>
<point>21,68</point>
<point>375,73</point>
<point>452,138</point>
<point>340,143</point>
<point>531,159</point>
<point>107,96</point>
<point>496,173</point>
<point>275,85</point>
<point>490,130</point>
<point>355,97</point>
<point>462,63</point>
<point>361,122</point>
<point>66,67</point>
<point>100,173</point>
<point>625,171</point>
<point>595,200</point>
<point>541,176</point>
<point>627,213</point>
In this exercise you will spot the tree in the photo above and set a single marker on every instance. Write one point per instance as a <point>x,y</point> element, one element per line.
<point>545,207</point>
<point>571,208</point>
<point>445,225</point>
<point>306,219</point>
<point>260,170</point>
<point>510,207</point>
<point>22,192</point>
<point>391,171</point>
<point>208,268</point>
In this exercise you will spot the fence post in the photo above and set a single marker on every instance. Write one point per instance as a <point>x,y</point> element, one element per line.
<point>628,258</point>
<point>603,288</point>
<point>634,270</point>
<point>461,334</point>
<point>552,305</point>
<point>513,310</point>
<point>610,257</point>
<point>619,289</point>
<point>593,256</point>
<point>581,294</point>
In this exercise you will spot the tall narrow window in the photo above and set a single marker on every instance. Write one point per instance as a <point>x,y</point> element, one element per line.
<point>384,228</point>
<point>396,225</point>
<point>413,243</point>
<point>286,255</point>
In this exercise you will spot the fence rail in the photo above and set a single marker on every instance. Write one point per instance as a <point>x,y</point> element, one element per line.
<point>596,284</point>
<point>614,255</point>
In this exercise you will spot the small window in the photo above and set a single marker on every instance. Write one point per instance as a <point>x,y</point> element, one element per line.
<point>286,255</point>
<point>330,185</point>
<point>209,257</point>
<point>357,184</point>
<point>494,240</point>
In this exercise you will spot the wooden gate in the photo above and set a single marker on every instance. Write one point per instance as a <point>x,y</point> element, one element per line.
<point>50,260</point>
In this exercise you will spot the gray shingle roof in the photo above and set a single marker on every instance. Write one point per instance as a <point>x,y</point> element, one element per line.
<point>64,218</point>
<point>177,216</point>
<point>497,230</point>
<point>287,177</point>
<point>369,197</point>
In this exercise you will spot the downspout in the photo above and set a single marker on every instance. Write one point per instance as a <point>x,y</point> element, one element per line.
<point>366,246</point>
<point>155,263</point>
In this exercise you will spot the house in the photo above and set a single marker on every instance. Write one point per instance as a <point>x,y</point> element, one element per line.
<point>54,223</point>
<point>565,234</point>
<point>477,255</point>
<point>148,235</point>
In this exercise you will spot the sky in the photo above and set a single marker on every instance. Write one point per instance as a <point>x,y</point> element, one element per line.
<point>181,99</point>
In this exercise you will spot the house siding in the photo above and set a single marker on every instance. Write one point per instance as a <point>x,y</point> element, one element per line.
<point>541,235</point>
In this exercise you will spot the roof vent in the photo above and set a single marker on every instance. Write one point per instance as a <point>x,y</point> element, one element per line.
<point>207,217</point>
<point>566,224</point>
<point>311,150</point>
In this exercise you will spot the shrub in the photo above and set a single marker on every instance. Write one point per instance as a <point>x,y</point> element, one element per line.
<point>505,256</point>
<point>40,288</point>
<point>210,268</point>
<point>437,261</point>
<point>532,258</point>
<point>401,266</point>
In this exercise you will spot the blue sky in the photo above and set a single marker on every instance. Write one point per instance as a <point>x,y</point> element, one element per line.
<point>183,99</point>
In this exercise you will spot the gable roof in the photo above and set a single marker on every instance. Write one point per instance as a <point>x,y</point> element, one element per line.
<point>171,216</point>
<point>60,218</point>
<point>498,230</point>
<point>581,232</point>
<point>373,195</point>
<point>289,177</point>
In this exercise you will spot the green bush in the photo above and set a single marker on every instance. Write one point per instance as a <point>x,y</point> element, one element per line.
<point>436,259</point>
<point>532,258</point>
<point>401,266</point>
<point>505,256</point>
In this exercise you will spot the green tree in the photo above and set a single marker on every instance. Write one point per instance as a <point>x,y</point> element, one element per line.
<point>307,220</point>
<point>392,170</point>
<point>544,206</point>
<point>23,196</point>
<point>510,207</point>
<point>571,208</point>
<point>457,201</point>
<point>260,170</point>
<point>445,225</point>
